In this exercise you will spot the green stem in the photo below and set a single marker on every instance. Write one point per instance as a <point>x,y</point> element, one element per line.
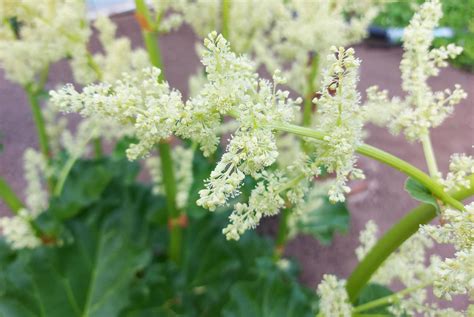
<point>98,151</point>
<point>308,101</point>
<point>39,121</point>
<point>150,37</point>
<point>429,155</point>
<point>390,299</point>
<point>225,7</point>
<point>63,174</point>
<point>393,239</point>
<point>384,157</point>
<point>282,234</point>
<point>9,196</point>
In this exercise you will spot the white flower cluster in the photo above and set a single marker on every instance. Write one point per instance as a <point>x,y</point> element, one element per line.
<point>422,109</point>
<point>460,166</point>
<point>301,29</point>
<point>17,229</point>
<point>34,34</point>
<point>140,101</point>
<point>183,171</point>
<point>334,300</point>
<point>455,275</point>
<point>408,264</point>
<point>118,57</point>
<point>340,117</point>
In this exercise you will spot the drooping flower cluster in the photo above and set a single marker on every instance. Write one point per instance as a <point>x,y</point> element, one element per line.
<point>422,108</point>
<point>340,117</point>
<point>34,34</point>
<point>334,300</point>
<point>17,229</point>
<point>183,172</point>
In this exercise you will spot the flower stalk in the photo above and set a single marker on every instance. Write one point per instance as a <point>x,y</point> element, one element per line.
<point>429,155</point>
<point>9,197</point>
<point>386,158</point>
<point>150,37</point>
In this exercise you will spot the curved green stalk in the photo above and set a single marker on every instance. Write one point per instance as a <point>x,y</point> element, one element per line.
<point>390,299</point>
<point>39,121</point>
<point>9,196</point>
<point>386,158</point>
<point>150,37</point>
<point>393,239</point>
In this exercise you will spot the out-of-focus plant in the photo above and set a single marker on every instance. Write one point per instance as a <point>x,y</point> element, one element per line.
<point>457,15</point>
<point>101,244</point>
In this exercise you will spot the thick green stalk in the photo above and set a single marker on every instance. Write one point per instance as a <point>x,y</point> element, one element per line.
<point>39,121</point>
<point>225,7</point>
<point>390,299</point>
<point>308,100</point>
<point>150,37</point>
<point>384,157</point>
<point>393,239</point>
<point>282,234</point>
<point>9,196</point>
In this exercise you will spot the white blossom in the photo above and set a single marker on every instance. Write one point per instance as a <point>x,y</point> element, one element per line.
<point>47,32</point>
<point>340,117</point>
<point>334,301</point>
<point>460,166</point>
<point>422,108</point>
<point>18,232</point>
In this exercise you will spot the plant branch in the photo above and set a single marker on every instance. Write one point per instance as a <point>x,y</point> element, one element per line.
<point>429,155</point>
<point>390,299</point>
<point>150,37</point>
<point>225,7</point>
<point>9,196</point>
<point>384,157</point>
<point>393,239</point>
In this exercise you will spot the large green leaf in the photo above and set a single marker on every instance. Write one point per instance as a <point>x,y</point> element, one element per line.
<point>274,293</point>
<point>324,221</point>
<point>91,275</point>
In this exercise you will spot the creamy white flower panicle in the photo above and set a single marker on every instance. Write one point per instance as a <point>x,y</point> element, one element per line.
<point>35,172</point>
<point>117,57</point>
<point>460,166</point>
<point>422,108</point>
<point>340,117</point>
<point>140,101</point>
<point>301,29</point>
<point>17,229</point>
<point>183,171</point>
<point>367,239</point>
<point>334,301</point>
<point>455,275</point>
<point>18,232</point>
<point>46,31</point>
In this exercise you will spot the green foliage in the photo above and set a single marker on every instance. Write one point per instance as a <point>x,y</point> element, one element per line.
<point>273,293</point>
<point>372,292</point>
<point>458,15</point>
<point>109,257</point>
<point>419,192</point>
<point>325,221</point>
